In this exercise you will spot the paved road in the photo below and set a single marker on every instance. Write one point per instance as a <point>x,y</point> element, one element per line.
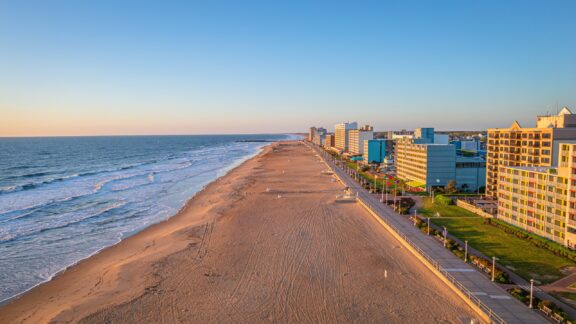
<point>496,302</point>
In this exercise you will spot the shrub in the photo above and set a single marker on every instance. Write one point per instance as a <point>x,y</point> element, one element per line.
<point>443,200</point>
<point>499,275</point>
<point>418,221</point>
<point>548,304</point>
<point>522,295</point>
<point>458,253</point>
<point>402,210</point>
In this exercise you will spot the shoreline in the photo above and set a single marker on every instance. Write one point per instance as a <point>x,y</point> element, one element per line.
<point>226,171</point>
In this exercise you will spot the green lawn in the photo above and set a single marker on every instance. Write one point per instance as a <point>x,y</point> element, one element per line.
<point>352,165</point>
<point>520,256</point>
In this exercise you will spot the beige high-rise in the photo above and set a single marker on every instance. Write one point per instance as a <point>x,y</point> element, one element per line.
<point>341,135</point>
<point>541,200</point>
<point>357,137</point>
<point>528,147</point>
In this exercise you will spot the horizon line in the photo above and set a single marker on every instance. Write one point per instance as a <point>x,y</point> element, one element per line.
<point>142,135</point>
<point>211,134</point>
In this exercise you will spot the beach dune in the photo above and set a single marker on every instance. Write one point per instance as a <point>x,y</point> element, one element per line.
<point>266,243</point>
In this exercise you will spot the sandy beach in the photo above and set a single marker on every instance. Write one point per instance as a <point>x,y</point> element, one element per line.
<point>265,243</point>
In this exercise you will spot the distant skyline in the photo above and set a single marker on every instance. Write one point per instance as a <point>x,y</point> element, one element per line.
<point>227,67</point>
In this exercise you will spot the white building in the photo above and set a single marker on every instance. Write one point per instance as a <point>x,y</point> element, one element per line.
<point>341,135</point>
<point>357,138</point>
<point>441,139</point>
<point>470,146</point>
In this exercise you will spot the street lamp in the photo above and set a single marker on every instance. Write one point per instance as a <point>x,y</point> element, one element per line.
<point>383,179</point>
<point>466,251</point>
<point>493,268</point>
<point>445,235</point>
<point>386,193</point>
<point>531,292</point>
<point>428,226</point>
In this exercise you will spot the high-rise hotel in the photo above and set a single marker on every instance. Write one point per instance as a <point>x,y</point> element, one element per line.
<point>357,137</point>
<point>541,200</point>
<point>532,173</point>
<point>425,163</point>
<point>341,132</point>
<point>517,146</point>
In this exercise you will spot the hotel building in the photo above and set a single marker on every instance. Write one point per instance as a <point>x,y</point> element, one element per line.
<point>319,136</point>
<point>311,132</point>
<point>357,138</point>
<point>424,135</point>
<point>376,150</point>
<point>426,164</point>
<point>329,141</point>
<point>541,200</point>
<point>341,135</point>
<point>517,146</point>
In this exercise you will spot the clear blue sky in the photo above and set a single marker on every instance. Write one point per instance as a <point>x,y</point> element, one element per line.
<point>139,67</point>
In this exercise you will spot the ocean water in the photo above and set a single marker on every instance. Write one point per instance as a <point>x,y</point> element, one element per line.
<point>64,199</point>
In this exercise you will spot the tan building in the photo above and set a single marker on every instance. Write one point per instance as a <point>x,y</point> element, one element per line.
<point>357,138</point>
<point>329,141</point>
<point>517,146</point>
<point>541,200</point>
<point>311,131</point>
<point>341,135</point>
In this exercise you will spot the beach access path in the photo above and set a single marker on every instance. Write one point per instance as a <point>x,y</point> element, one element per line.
<point>269,242</point>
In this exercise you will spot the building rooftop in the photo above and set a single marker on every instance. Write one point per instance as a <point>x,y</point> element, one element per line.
<point>564,111</point>
<point>563,119</point>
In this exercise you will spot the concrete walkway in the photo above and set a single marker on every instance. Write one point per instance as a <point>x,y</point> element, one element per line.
<point>563,284</point>
<point>493,300</point>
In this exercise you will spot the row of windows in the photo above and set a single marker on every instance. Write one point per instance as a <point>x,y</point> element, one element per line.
<point>534,175</point>
<point>518,135</point>
<point>535,207</point>
<point>558,188</point>
<point>540,229</point>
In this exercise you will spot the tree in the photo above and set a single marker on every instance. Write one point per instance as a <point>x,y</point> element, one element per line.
<point>451,187</point>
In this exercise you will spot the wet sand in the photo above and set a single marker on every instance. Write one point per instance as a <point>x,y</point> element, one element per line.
<point>266,243</point>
